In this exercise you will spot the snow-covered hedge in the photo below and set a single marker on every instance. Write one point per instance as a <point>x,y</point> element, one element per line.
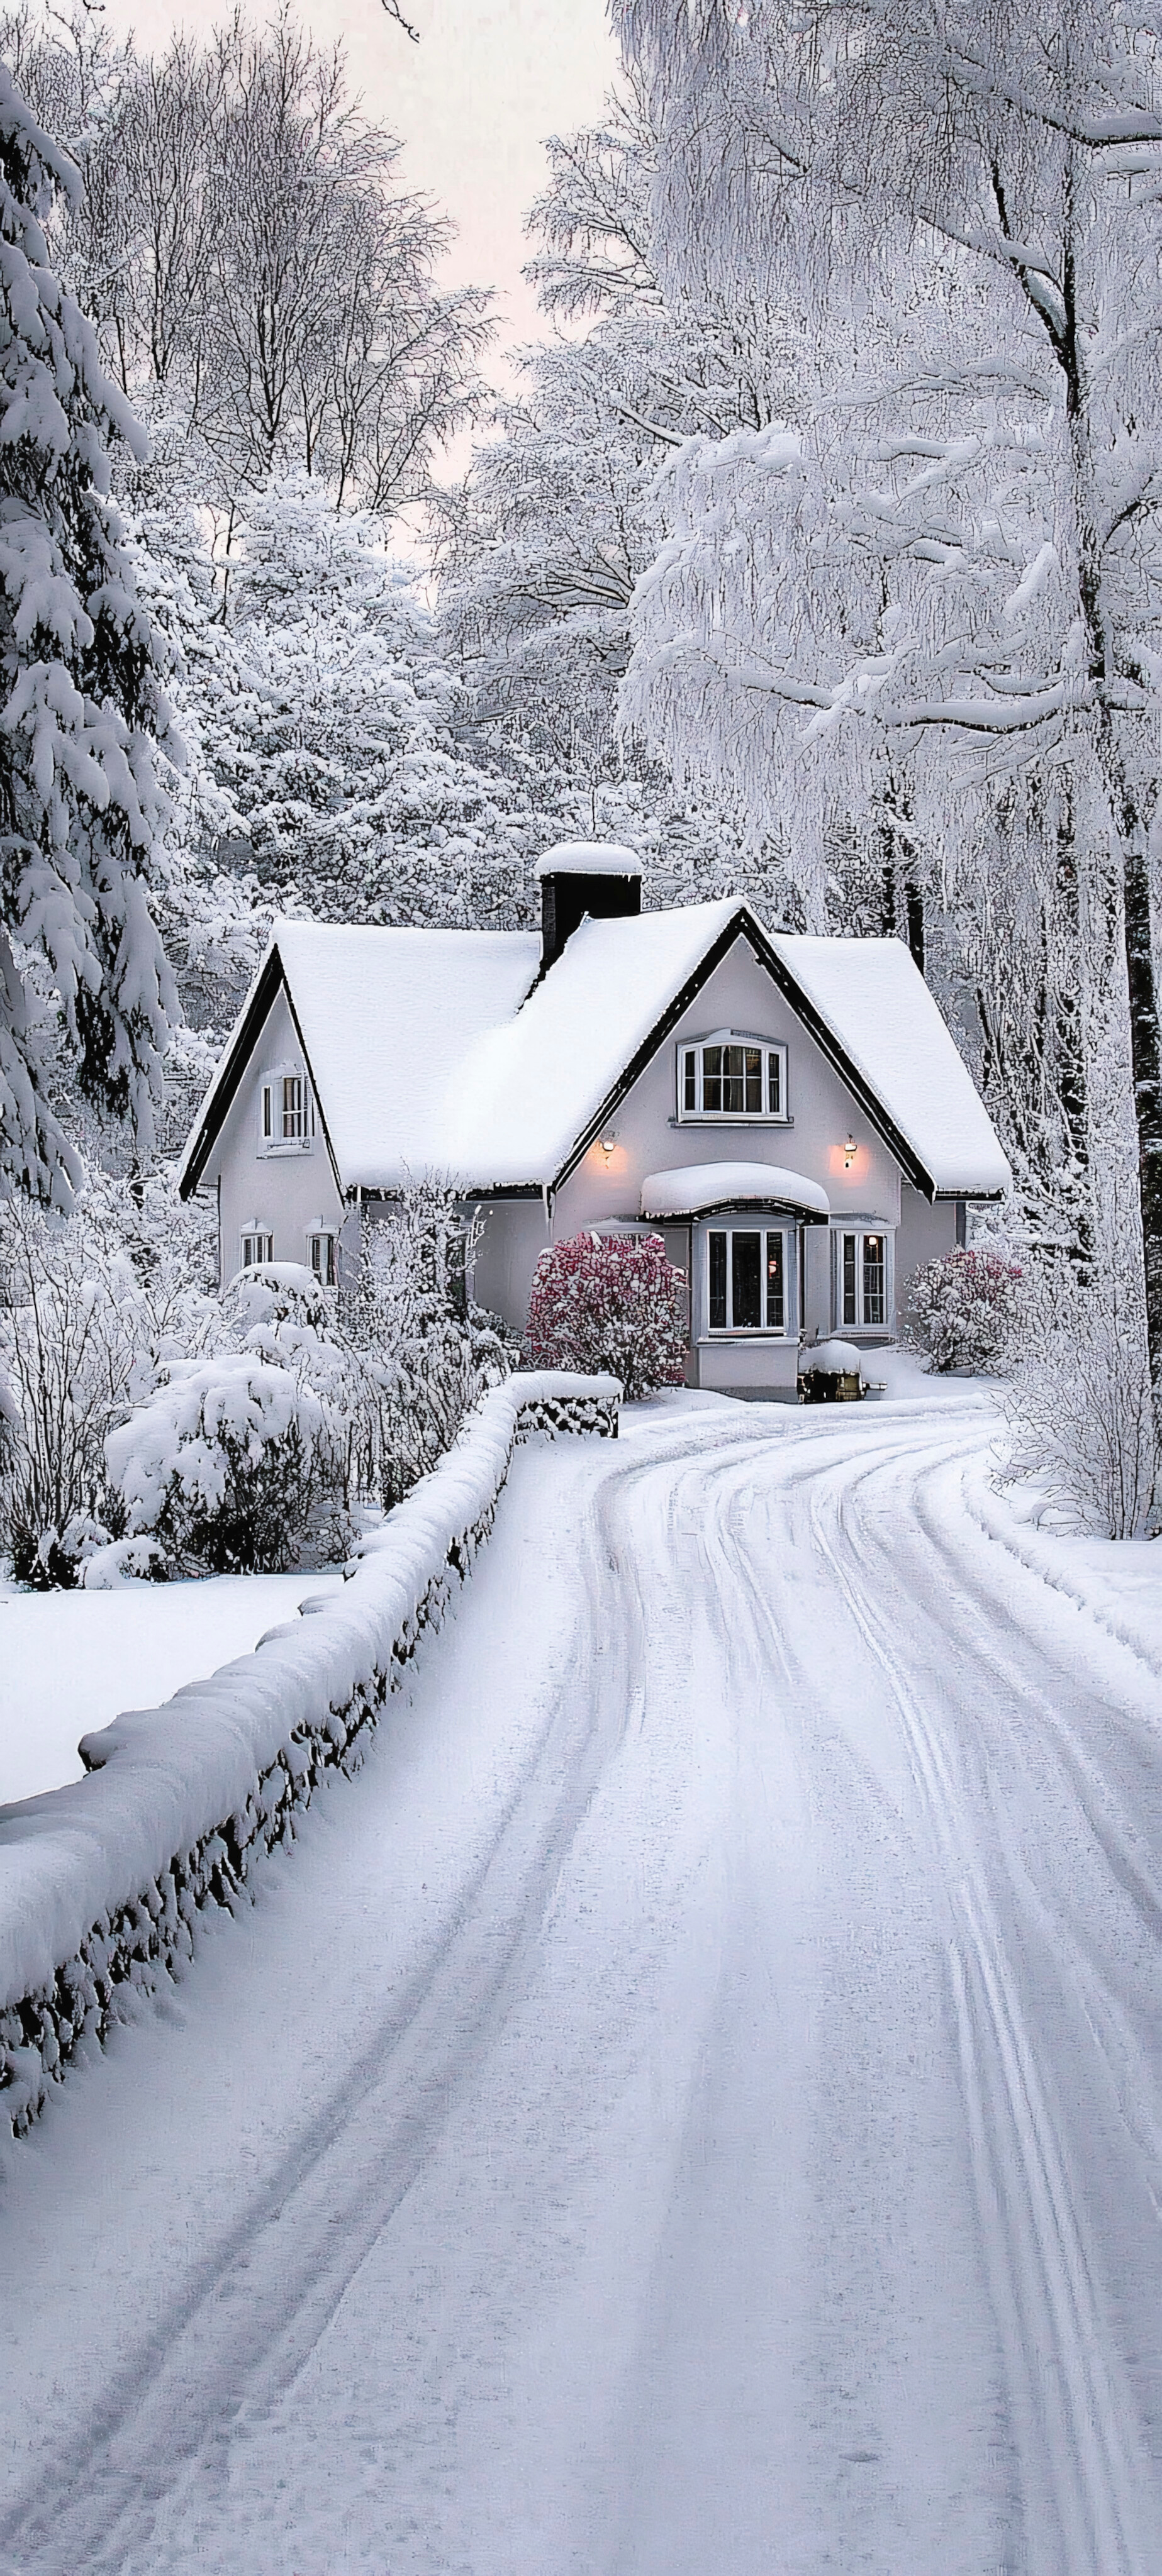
<point>101,1882</point>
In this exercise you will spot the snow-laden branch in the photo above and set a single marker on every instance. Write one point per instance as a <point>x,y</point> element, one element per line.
<point>1134,125</point>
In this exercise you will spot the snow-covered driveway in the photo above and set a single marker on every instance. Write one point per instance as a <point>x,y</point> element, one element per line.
<point>691,2107</point>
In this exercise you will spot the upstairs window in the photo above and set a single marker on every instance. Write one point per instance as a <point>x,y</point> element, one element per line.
<point>732,1077</point>
<point>286,1117</point>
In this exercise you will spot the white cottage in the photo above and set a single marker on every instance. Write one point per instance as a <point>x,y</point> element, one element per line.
<point>791,1113</point>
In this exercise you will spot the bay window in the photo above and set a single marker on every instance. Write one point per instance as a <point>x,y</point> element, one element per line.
<point>732,1077</point>
<point>746,1279</point>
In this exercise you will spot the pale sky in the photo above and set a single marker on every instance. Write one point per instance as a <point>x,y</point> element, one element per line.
<point>472,103</point>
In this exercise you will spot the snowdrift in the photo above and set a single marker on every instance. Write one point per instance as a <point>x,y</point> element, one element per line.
<point>101,1882</point>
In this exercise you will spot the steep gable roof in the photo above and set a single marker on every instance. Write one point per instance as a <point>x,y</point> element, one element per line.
<point>439,1052</point>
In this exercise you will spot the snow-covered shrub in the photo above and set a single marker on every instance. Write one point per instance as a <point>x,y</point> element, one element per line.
<point>610,1302</point>
<point>426,1353</point>
<point>67,1359</point>
<point>227,1466</point>
<point>964,1311</point>
<point>1081,1417</point>
<point>93,1309</point>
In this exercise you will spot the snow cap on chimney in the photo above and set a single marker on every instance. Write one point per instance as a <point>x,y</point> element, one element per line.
<point>589,859</point>
<point>579,878</point>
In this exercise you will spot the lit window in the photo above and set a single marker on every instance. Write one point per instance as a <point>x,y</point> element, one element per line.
<point>746,1282</point>
<point>863,1280</point>
<point>321,1253</point>
<point>732,1078</point>
<point>256,1247</point>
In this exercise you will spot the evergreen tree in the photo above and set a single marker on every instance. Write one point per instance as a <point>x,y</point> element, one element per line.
<point>81,711</point>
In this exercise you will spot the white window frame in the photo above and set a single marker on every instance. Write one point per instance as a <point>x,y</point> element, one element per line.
<point>256,1234</point>
<point>274,1109</point>
<point>691,1058</point>
<point>764,1227</point>
<point>319,1235</point>
<point>859,1232</point>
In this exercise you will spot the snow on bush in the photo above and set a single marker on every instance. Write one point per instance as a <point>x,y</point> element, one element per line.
<point>610,1302</point>
<point>93,1308</point>
<point>226,1465</point>
<point>426,1353</point>
<point>964,1311</point>
<point>1082,1420</point>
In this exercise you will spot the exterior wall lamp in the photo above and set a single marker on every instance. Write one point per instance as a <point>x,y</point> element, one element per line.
<point>850,1151</point>
<point>609,1145</point>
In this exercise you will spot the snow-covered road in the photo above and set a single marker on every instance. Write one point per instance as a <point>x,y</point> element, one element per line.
<point>691,2107</point>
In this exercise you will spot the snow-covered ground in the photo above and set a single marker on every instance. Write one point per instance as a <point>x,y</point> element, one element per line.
<point>692,2106</point>
<point>71,1661</point>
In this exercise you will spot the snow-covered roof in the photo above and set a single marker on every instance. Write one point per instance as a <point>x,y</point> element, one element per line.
<point>438,1052</point>
<point>698,1187</point>
<point>876,1004</point>
<point>535,1086</point>
<point>588,859</point>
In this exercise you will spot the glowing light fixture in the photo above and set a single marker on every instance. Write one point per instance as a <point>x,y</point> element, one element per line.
<point>850,1151</point>
<point>608,1143</point>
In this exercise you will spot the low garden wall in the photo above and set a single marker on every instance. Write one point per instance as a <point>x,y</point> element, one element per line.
<point>101,1883</point>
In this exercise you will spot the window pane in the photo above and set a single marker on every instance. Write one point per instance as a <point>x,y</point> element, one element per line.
<point>774,1085</point>
<point>292,1106</point>
<point>267,1110</point>
<point>850,1315</point>
<point>775,1301</point>
<point>712,1077</point>
<point>745,1281</point>
<point>732,1086</point>
<point>718,1283</point>
<point>873,1279</point>
<point>754,1081</point>
<point>689,1086</point>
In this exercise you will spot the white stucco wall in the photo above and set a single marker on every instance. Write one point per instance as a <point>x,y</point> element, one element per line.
<point>649,1137</point>
<point>925,1233</point>
<point>288,1192</point>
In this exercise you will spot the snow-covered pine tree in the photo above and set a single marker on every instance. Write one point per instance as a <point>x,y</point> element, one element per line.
<point>81,709</point>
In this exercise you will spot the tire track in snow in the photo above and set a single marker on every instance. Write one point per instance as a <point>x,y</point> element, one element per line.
<point>238,2334</point>
<point>1043,2270</point>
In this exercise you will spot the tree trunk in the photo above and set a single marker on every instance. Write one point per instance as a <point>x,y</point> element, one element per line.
<point>1146,1062</point>
<point>914,916</point>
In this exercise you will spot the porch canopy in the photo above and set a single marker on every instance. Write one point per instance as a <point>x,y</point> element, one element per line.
<point>700,1189</point>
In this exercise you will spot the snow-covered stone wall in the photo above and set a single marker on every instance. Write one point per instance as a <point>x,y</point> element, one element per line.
<point>101,1883</point>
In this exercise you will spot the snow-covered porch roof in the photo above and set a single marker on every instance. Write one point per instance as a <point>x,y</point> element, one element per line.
<point>700,1189</point>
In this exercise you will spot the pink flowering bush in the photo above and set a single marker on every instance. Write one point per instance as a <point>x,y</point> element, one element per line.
<point>964,1311</point>
<point>610,1302</point>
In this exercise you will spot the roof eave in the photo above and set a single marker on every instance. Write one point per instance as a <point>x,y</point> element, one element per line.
<point>743,922</point>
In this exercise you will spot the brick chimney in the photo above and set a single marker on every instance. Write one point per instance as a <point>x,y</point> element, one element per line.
<point>578,877</point>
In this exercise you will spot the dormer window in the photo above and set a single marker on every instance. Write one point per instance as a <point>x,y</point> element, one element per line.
<point>733,1077</point>
<point>286,1112</point>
